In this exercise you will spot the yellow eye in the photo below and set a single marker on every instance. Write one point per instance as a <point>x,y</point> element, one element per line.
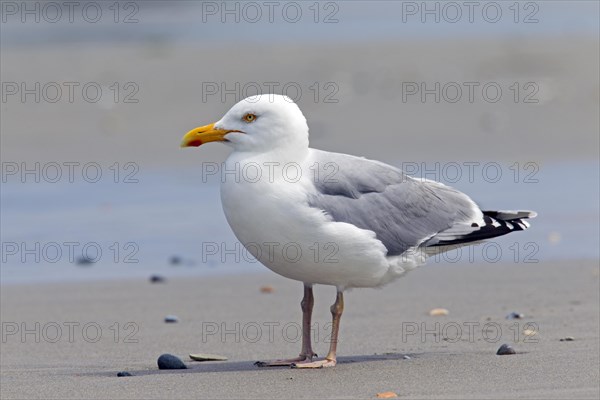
<point>249,117</point>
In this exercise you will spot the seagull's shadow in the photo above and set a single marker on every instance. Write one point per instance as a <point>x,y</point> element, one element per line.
<point>240,366</point>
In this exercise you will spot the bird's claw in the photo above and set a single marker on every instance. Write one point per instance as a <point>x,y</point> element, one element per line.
<point>326,363</point>
<point>283,363</point>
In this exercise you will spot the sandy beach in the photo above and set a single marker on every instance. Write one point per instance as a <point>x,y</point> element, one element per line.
<point>373,90</point>
<point>557,299</point>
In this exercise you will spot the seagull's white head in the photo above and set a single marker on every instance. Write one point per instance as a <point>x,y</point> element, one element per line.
<point>256,124</point>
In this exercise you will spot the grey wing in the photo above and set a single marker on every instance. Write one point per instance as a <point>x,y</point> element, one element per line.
<point>402,211</point>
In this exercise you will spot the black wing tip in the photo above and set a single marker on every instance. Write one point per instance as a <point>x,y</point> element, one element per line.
<point>510,215</point>
<point>493,228</point>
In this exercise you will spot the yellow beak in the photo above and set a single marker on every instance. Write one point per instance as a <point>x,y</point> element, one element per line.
<point>203,134</point>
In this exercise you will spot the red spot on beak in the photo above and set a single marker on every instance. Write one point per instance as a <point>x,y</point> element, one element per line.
<point>195,143</point>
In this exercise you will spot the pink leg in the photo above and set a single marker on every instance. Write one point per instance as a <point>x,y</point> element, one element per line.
<point>330,360</point>
<point>306,353</point>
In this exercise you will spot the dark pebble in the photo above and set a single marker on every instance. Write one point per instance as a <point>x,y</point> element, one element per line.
<point>124,373</point>
<point>505,350</point>
<point>515,315</point>
<point>175,260</point>
<point>84,261</point>
<point>157,279</point>
<point>567,339</point>
<point>169,361</point>
<point>171,319</point>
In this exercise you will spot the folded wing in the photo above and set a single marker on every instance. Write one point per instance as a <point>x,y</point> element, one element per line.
<point>402,211</point>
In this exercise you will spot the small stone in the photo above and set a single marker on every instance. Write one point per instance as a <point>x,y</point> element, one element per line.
<point>267,289</point>
<point>567,339</point>
<point>505,350</point>
<point>175,260</point>
<point>157,279</point>
<point>207,357</point>
<point>169,361</point>
<point>529,332</point>
<point>387,395</point>
<point>406,357</point>
<point>515,315</point>
<point>84,261</point>
<point>554,237</point>
<point>171,319</point>
<point>123,373</point>
<point>437,312</point>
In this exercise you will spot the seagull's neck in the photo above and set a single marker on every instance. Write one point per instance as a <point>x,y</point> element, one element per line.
<point>280,156</point>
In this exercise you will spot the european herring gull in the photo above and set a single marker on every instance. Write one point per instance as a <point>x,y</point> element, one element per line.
<point>329,218</point>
